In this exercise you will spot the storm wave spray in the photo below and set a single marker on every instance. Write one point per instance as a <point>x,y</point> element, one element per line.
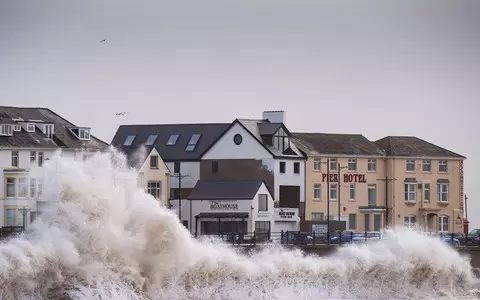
<point>102,237</point>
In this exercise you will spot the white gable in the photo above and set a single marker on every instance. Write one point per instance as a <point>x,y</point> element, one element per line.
<point>225,147</point>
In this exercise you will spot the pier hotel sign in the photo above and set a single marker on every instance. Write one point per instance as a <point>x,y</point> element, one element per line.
<point>348,178</point>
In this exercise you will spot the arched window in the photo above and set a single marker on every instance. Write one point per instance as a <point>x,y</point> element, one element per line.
<point>409,221</point>
<point>443,223</point>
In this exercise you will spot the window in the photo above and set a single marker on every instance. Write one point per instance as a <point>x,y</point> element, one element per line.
<point>442,166</point>
<point>372,194</point>
<point>333,164</point>
<point>262,202</point>
<point>17,128</point>
<point>443,224</point>
<point>192,142</point>
<point>426,191</point>
<point>30,127</point>
<point>215,166</point>
<point>172,140</point>
<point>84,134</point>
<point>282,167</point>
<point>352,221</point>
<point>411,192</point>
<point>262,227</point>
<point>33,187</point>
<point>352,164</point>
<point>316,165</point>
<point>352,192</point>
<point>6,129</point>
<point>20,216</point>
<point>333,191</point>
<point>442,192</point>
<point>15,159</point>
<point>154,188</point>
<point>367,222</point>
<point>409,221</point>
<point>33,157</point>
<point>23,187</point>
<point>151,139</point>
<point>317,216</point>
<point>427,166</point>
<point>176,167</point>
<point>153,162</point>
<point>10,217</point>
<point>316,191</point>
<point>296,168</point>
<point>40,159</point>
<point>372,164</point>
<point>281,140</point>
<point>40,188</point>
<point>129,140</point>
<point>48,130</point>
<point>11,187</point>
<point>410,165</point>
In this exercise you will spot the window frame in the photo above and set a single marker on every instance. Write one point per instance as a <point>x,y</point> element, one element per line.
<point>317,164</point>
<point>262,198</point>
<point>410,224</point>
<point>155,186</point>
<point>333,162</point>
<point>410,162</point>
<point>374,188</point>
<point>350,191</point>
<point>154,158</point>
<point>352,162</point>
<point>442,224</point>
<point>408,192</point>
<point>370,162</point>
<point>425,163</point>
<point>440,191</point>
<point>317,188</point>
<point>333,188</point>
<point>15,158</point>
<point>443,163</point>
<point>296,167</point>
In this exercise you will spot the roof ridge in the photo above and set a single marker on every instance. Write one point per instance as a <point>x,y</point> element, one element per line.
<point>172,124</point>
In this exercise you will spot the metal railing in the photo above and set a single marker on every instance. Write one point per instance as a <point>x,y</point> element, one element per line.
<point>333,238</point>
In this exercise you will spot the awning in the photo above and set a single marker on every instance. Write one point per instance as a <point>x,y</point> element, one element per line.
<point>223,215</point>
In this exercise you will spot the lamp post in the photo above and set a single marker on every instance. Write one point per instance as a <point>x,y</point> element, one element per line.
<point>339,187</point>
<point>387,180</point>
<point>24,211</point>
<point>179,196</point>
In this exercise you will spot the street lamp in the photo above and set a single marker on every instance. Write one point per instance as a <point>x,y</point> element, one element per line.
<point>24,213</point>
<point>180,177</point>
<point>339,186</point>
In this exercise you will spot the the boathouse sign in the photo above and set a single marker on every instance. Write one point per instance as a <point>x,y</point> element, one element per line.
<point>348,178</point>
<point>223,205</point>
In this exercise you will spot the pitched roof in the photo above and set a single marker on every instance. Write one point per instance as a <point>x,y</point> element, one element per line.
<point>413,147</point>
<point>209,133</point>
<point>225,189</point>
<point>62,137</point>
<point>259,128</point>
<point>329,143</point>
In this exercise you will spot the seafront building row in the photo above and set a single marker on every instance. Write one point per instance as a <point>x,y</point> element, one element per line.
<point>251,174</point>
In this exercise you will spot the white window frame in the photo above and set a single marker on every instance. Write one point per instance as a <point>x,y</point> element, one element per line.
<point>427,163</point>
<point>30,127</point>
<point>154,158</point>
<point>33,157</point>
<point>20,216</point>
<point>11,181</point>
<point>351,188</point>
<point>41,157</point>
<point>442,163</point>
<point>407,221</point>
<point>84,134</point>
<point>6,130</point>
<point>316,216</point>
<point>333,162</point>
<point>22,187</point>
<point>425,189</point>
<point>48,129</point>
<point>442,189</point>
<point>411,190</point>
<point>10,218</point>
<point>374,188</point>
<point>372,162</point>
<point>443,221</point>
<point>15,158</point>
<point>317,189</point>
<point>317,164</point>
<point>17,128</point>
<point>154,188</point>
<point>410,162</point>
<point>33,187</point>
<point>332,189</point>
<point>352,164</point>
<point>262,207</point>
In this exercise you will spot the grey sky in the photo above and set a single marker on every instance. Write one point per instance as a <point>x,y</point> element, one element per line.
<point>372,67</point>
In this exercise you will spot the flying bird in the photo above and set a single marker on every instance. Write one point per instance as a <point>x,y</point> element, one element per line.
<point>104,40</point>
<point>121,113</point>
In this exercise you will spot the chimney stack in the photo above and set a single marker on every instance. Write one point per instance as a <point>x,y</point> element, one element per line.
<point>274,116</point>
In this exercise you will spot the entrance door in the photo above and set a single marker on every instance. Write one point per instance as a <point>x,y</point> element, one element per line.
<point>367,222</point>
<point>431,223</point>
<point>376,222</point>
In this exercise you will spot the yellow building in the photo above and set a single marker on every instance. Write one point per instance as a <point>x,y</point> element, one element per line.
<point>424,182</point>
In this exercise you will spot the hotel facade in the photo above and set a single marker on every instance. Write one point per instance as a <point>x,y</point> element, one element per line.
<point>394,182</point>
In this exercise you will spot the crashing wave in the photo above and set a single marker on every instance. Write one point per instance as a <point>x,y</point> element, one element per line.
<point>104,238</point>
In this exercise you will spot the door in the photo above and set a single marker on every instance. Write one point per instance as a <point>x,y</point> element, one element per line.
<point>367,222</point>
<point>376,222</point>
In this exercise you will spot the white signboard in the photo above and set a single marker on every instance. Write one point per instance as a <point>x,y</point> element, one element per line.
<point>286,214</point>
<point>223,205</point>
<point>320,228</point>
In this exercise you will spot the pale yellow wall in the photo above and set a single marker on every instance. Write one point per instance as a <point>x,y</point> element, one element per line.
<point>159,174</point>
<point>453,208</point>
<point>361,193</point>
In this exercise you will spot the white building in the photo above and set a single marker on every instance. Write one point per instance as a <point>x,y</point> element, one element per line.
<point>29,137</point>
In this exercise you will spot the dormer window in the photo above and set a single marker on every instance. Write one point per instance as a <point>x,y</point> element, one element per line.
<point>48,129</point>
<point>30,127</point>
<point>281,141</point>
<point>17,128</point>
<point>192,143</point>
<point>82,133</point>
<point>6,129</point>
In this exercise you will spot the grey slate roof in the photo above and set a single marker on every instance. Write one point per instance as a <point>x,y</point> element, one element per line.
<point>313,144</point>
<point>210,132</point>
<point>255,127</point>
<point>62,138</point>
<point>411,146</point>
<point>225,189</point>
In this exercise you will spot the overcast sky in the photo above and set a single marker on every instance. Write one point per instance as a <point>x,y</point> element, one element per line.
<point>372,67</point>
